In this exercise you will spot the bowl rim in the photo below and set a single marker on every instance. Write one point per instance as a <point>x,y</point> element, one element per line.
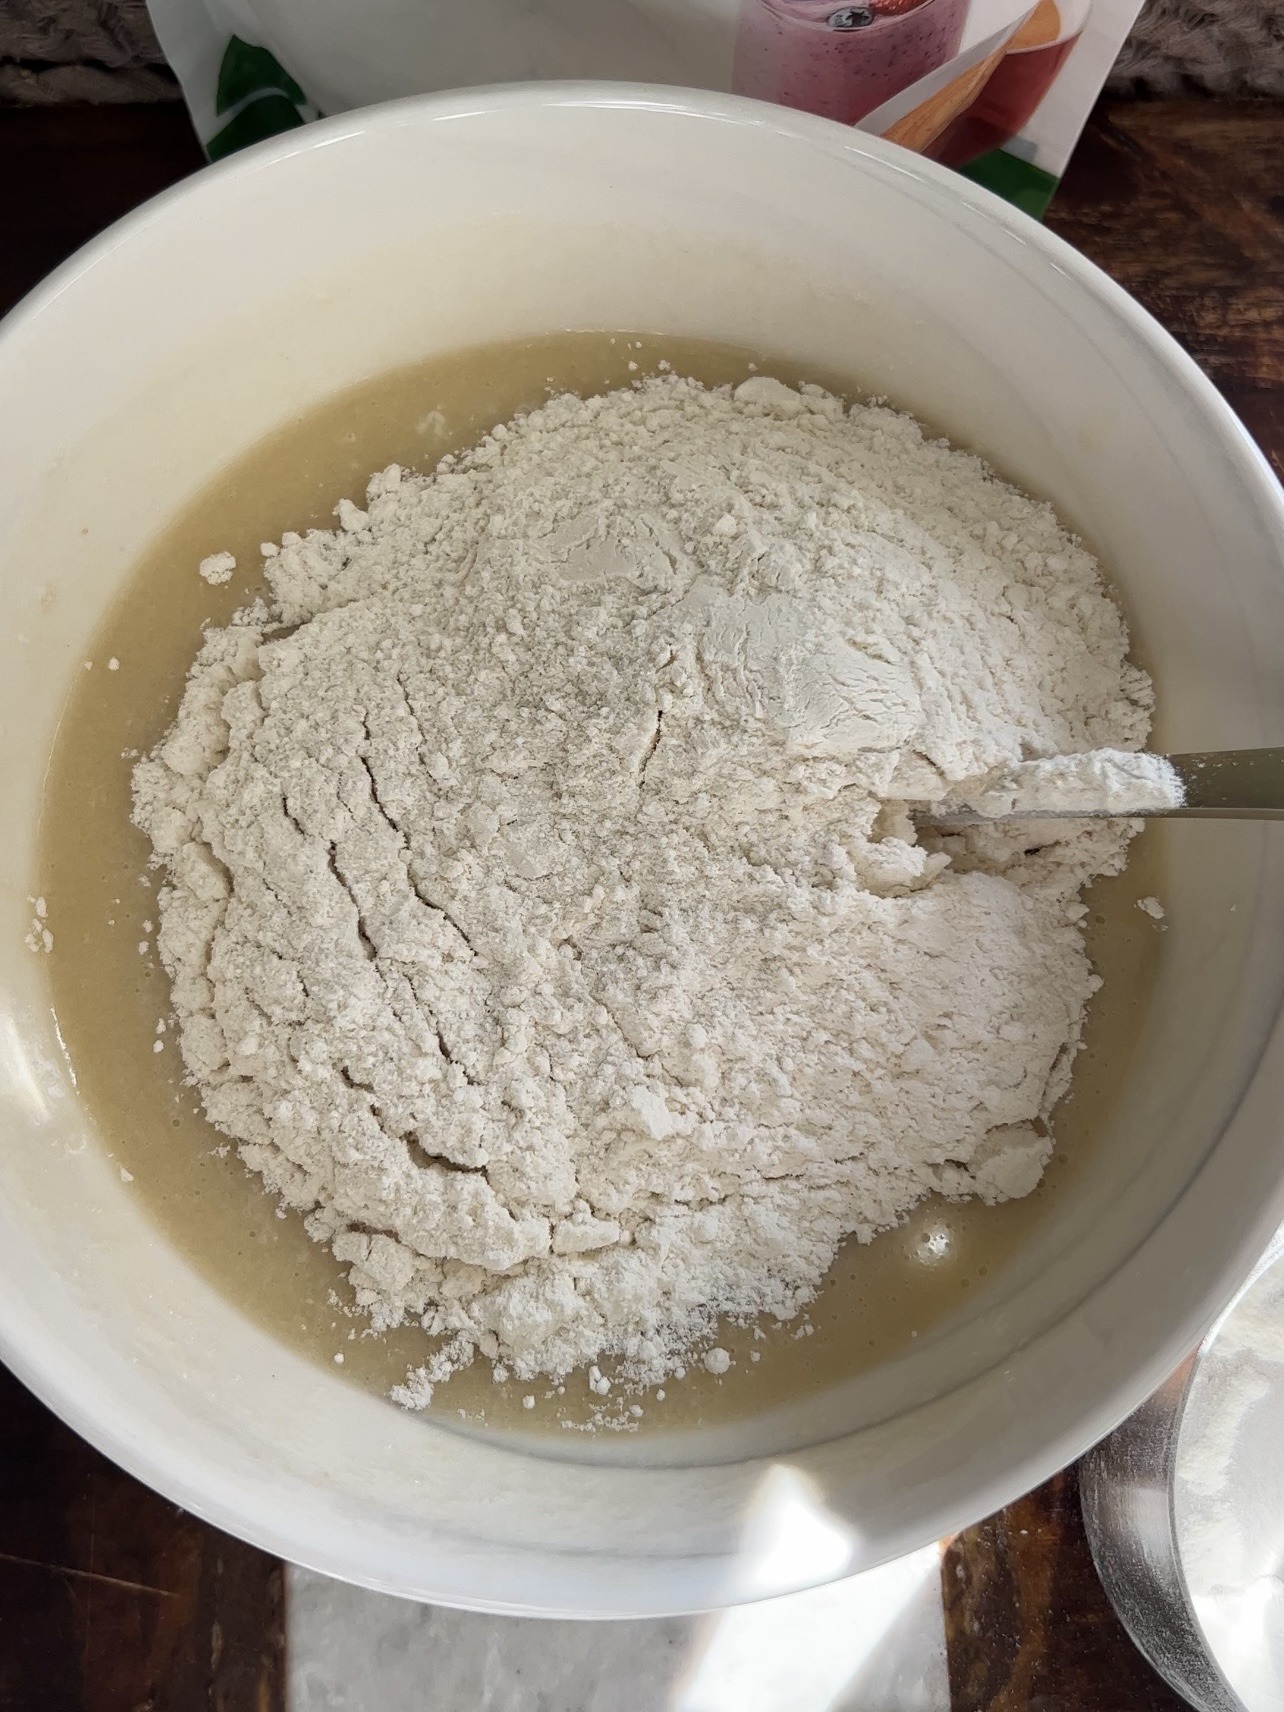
<point>193,1480</point>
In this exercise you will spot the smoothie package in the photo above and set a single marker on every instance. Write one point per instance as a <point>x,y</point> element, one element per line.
<point>998,89</point>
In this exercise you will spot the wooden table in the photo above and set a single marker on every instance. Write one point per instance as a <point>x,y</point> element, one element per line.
<point>111,1600</point>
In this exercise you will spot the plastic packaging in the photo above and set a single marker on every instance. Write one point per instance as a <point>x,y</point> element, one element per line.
<point>999,89</point>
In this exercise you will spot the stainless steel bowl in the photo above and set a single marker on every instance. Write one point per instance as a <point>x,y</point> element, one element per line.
<point>1215,1429</point>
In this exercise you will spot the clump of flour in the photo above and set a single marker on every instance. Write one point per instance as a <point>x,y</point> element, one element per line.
<point>217,568</point>
<point>1113,781</point>
<point>543,913</point>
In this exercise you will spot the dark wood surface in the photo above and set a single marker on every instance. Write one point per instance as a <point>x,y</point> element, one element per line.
<point>111,1600</point>
<point>1028,1626</point>
<point>1183,203</point>
<point>68,172</point>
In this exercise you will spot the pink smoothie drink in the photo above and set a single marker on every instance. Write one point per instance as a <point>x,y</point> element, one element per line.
<point>842,61</point>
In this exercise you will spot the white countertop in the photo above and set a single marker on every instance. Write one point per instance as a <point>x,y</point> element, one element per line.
<point>875,1643</point>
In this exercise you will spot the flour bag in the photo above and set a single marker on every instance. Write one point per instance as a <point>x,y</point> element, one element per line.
<point>999,89</point>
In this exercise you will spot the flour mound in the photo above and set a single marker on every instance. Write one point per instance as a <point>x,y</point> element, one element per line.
<point>542,912</point>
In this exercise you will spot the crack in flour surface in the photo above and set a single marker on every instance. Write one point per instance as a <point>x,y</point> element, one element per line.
<point>543,914</point>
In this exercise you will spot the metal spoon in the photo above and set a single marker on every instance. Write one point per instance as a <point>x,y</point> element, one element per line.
<point>1227,784</point>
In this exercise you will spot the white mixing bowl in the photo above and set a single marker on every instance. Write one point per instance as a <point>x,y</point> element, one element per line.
<point>174,342</point>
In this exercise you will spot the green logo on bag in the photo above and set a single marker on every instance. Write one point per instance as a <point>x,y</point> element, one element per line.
<point>260,97</point>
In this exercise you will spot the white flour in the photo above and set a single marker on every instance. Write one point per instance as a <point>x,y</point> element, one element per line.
<point>543,914</point>
<point>217,568</point>
<point>1113,780</point>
